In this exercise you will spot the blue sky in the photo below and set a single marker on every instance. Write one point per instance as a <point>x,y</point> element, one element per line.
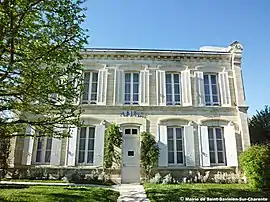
<point>179,24</point>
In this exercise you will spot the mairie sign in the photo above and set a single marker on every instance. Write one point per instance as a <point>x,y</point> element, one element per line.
<point>130,113</point>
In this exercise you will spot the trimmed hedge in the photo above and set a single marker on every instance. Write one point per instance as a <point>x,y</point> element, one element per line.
<point>255,162</point>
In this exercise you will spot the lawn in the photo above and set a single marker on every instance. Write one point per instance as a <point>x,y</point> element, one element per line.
<point>56,193</point>
<point>159,192</point>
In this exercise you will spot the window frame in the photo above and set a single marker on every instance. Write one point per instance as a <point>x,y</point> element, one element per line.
<point>213,128</point>
<point>131,101</point>
<point>173,103</point>
<point>86,146</point>
<point>212,103</point>
<point>175,146</point>
<point>90,93</point>
<point>43,150</point>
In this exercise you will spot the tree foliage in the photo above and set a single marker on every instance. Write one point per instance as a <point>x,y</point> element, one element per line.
<point>149,153</point>
<point>40,72</point>
<point>259,127</point>
<point>113,141</point>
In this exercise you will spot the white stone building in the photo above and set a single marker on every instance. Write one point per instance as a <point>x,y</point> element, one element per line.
<point>193,102</point>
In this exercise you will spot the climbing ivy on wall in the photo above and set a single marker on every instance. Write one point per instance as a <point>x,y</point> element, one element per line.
<point>113,140</point>
<point>149,154</point>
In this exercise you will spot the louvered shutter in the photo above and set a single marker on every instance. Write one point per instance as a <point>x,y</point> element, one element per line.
<point>99,145</point>
<point>72,145</point>
<point>28,145</point>
<point>199,88</point>
<point>186,88</point>
<point>119,86</point>
<point>163,147</point>
<point>102,87</point>
<point>189,146</point>
<point>205,155</point>
<point>161,87</point>
<point>230,145</point>
<point>224,89</point>
<point>144,88</point>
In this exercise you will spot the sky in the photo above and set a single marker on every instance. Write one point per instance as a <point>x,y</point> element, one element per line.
<point>188,25</point>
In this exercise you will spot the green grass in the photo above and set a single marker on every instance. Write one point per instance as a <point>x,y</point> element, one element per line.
<point>159,192</point>
<point>55,193</point>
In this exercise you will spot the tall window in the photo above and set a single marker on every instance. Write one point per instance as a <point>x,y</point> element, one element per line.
<point>211,89</point>
<point>43,150</point>
<point>131,88</point>
<point>90,88</point>
<point>175,145</point>
<point>173,89</point>
<point>216,145</point>
<point>86,145</point>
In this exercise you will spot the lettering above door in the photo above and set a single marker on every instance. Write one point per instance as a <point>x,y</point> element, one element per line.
<point>131,114</point>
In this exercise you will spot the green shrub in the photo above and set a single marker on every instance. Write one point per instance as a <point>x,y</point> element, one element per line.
<point>255,162</point>
<point>149,154</point>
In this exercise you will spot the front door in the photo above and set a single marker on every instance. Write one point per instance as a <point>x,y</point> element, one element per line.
<point>131,156</point>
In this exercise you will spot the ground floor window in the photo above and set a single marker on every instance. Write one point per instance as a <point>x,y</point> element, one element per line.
<point>216,145</point>
<point>43,150</point>
<point>86,145</point>
<point>175,145</point>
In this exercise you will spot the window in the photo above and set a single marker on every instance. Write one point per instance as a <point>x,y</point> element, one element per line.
<point>131,88</point>
<point>175,145</point>
<point>211,89</point>
<point>173,89</point>
<point>131,131</point>
<point>86,145</point>
<point>216,146</point>
<point>43,150</point>
<point>90,88</point>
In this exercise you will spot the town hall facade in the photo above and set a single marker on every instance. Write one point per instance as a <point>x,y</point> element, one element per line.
<point>192,102</point>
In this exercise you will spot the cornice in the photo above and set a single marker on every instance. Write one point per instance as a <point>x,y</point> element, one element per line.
<point>158,56</point>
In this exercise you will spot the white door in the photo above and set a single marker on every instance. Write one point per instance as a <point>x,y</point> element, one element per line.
<point>131,156</point>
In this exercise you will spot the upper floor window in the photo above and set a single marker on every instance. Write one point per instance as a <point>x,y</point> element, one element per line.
<point>43,150</point>
<point>172,89</point>
<point>90,88</point>
<point>131,88</point>
<point>211,89</point>
<point>216,145</point>
<point>175,145</point>
<point>86,145</point>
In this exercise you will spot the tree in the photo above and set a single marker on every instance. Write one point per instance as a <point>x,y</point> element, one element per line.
<point>40,72</point>
<point>149,153</point>
<point>259,127</point>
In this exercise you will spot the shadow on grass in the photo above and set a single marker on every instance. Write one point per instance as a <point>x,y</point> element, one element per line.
<point>174,194</point>
<point>76,188</point>
<point>13,186</point>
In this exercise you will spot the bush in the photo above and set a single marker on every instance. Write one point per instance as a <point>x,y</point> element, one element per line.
<point>255,162</point>
<point>157,179</point>
<point>149,154</point>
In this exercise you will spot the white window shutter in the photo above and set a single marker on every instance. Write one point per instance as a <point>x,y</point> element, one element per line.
<point>99,145</point>
<point>28,145</point>
<point>230,145</point>
<point>205,155</point>
<point>102,87</point>
<point>144,88</point>
<point>186,88</point>
<point>56,151</point>
<point>163,146</point>
<point>199,88</point>
<point>72,144</point>
<point>161,87</point>
<point>119,86</point>
<point>189,145</point>
<point>224,89</point>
